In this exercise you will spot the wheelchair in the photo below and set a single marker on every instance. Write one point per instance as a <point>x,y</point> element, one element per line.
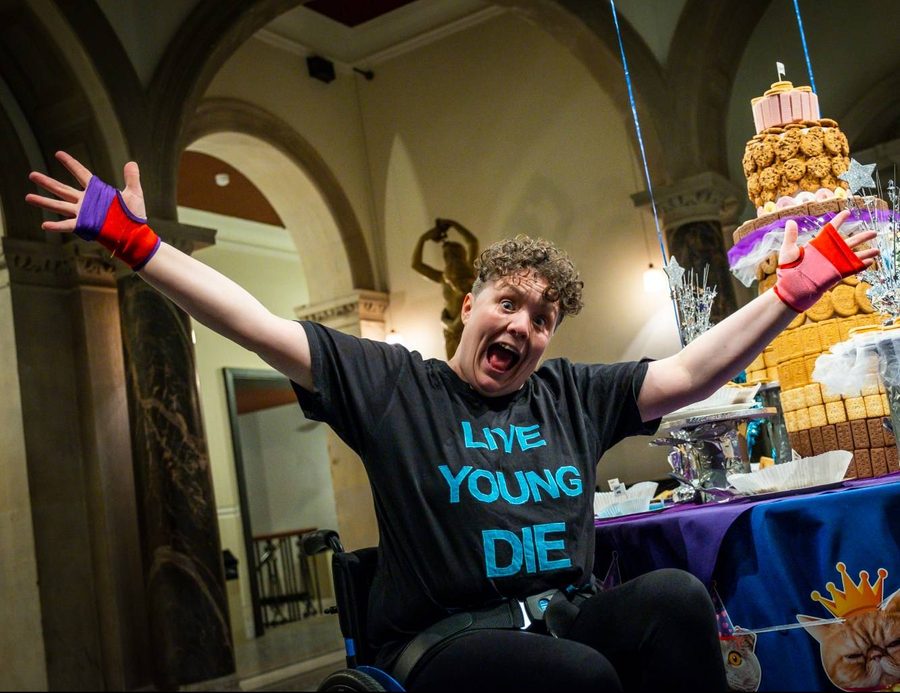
<point>353,573</point>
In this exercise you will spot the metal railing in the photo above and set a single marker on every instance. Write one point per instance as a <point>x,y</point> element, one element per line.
<point>287,578</point>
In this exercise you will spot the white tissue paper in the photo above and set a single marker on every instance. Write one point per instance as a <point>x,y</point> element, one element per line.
<point>827,468</point>
<point>866,359</point>
<point>730,397</point>
<point>634,500</point>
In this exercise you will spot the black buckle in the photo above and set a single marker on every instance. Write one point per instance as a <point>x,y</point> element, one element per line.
<point>537,604</point>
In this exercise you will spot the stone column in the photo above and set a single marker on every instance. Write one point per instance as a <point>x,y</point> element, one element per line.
<point>78,456</point>
<point>360,314</point>
<point>183,572</point>
<point>697,214</point>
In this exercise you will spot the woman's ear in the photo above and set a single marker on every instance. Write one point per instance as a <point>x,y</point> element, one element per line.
<point>466,307</point>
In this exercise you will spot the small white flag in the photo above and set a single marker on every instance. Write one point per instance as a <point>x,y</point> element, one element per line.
<point>780,68</point>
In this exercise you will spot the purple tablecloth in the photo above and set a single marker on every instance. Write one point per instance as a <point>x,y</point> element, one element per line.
<point>686,536</point>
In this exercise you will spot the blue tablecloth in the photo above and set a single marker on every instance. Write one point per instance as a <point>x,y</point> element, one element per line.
<point>766,558</point>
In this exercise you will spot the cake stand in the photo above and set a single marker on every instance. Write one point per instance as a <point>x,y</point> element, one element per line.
<point>706,448</point>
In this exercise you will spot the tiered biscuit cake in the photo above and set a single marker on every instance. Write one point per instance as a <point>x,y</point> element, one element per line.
<point>792,167</point>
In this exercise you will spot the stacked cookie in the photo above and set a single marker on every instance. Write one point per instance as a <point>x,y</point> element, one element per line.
<point>795,156</point>
<point>816,420</point>
<point>792,166</point>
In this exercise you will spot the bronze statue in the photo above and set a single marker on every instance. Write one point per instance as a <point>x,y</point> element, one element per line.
<point>457,276</point>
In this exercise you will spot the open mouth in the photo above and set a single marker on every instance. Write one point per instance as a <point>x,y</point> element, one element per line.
<point>502,357</point>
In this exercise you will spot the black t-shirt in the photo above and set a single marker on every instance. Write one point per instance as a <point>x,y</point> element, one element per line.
<point>477,498</point>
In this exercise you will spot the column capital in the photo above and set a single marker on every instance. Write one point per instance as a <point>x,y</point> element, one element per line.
<point>706,196</point>
<point>184,237</point>
<point>59,265</point>
<point>353,313</point>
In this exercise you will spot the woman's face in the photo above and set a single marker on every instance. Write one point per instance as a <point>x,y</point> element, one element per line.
<point>507,328</point>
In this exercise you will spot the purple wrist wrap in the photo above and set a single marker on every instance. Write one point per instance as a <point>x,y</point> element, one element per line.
<point>98,196</point>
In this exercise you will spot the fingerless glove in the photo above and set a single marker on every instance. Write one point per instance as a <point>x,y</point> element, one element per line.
<point>105,218</point>
<point>822,263</point>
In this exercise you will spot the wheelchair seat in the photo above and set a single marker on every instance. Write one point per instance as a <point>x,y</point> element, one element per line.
<point>353,573</point>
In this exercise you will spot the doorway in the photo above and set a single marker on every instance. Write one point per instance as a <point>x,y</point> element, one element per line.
<point>285,489</point>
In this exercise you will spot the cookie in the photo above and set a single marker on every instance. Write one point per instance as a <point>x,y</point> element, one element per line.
<point>763,154</point>
<point>828,181</point>
<point>818,166</point>
<point>753,186</point>
<point>769,179</point>
<point>821,309</point>
<point>811,142</point>
<point>839,164</point>
<point>786,189</point>
<point>827,123</point>
<point>795,169</point>
<point>769,264</point>
<point>862,300</point>
<point>788,144</point>
<point>809,183</point>
<point>768,283</point>
<point>747,162</point>
<point>845,147</point>
<point>832,141</point>
<point>844,299</point>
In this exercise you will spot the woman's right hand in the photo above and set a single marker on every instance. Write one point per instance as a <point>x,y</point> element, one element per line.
<point>67,200</point>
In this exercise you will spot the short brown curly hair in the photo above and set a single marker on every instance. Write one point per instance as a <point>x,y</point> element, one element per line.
<point>522,254</point>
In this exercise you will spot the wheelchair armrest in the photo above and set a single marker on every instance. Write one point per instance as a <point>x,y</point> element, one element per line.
<point>320,540</point>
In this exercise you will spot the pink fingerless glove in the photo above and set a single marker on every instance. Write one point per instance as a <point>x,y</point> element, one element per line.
<point>105,218</point>
<point>824,262</point>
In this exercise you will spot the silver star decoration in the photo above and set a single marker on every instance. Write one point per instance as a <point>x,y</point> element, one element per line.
<point>675,272</point>
<point>858,176</point>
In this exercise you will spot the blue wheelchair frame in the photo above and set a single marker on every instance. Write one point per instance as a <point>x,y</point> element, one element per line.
<point>353,573</point>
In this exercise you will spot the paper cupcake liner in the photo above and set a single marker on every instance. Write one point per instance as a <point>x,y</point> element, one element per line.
<point>827,468</point>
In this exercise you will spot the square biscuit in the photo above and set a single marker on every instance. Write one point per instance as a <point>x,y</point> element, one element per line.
<point>874,405</point>
<point>812,393</point>
<point>835,413</point>
<point>879,462</point>
<point>844,436</point>
<point>816,440</point>
<point>817,415</point>
<point>860,433</point>
<point>863,464</point>
<point>876,432</point>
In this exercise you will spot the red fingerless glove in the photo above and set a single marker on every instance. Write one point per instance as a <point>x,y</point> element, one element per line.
<point>105,218</point>
<point>824,262</point>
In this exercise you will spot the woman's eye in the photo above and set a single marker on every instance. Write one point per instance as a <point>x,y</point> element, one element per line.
<point>540,321</point>
<point>507,304</point>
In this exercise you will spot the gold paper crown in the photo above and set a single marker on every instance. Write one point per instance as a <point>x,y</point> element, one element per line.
<point>854,597</point>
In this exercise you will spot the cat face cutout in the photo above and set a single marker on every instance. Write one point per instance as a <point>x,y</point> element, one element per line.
<point>863,652</point>
<point>741,664</point>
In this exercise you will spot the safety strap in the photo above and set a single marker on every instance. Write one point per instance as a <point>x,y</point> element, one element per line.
<point>557,608</point>
<point>509,615</point>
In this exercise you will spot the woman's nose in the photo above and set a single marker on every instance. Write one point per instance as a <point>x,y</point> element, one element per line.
<point>519,323</point>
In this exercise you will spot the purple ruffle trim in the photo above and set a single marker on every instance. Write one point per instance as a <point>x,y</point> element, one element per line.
<point>805,224</point>
<point>98,196</point>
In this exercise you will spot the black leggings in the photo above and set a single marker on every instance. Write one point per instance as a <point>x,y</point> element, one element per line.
<point>655,632</point>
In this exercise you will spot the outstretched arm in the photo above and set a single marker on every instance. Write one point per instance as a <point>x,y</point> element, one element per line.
<point>435,234</point>
<point>719,354</point>
<point>468,237</point>
<point>205,294</point>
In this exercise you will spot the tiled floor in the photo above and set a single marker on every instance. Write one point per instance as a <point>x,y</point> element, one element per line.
<point>292,657</point>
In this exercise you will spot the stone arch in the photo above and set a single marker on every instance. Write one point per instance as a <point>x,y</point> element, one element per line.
<point>705,53</point>
<point>585,27</point>
<point>875,116</point>
<point>204,41</point>
<point>231,115</point>
<point>52,88</point>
